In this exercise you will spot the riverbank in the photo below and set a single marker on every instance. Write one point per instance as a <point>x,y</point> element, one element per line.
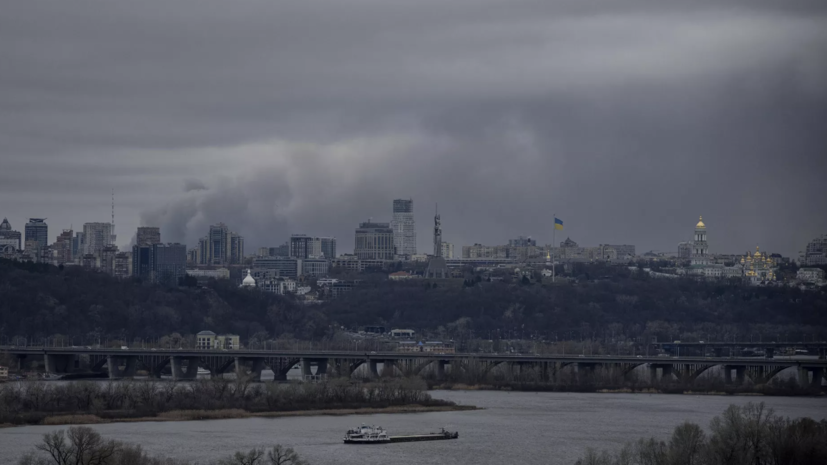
<point>224,414</point>
<point>715,390</point>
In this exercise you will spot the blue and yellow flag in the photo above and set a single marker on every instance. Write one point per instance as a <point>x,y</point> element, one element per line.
<point>558,224</point>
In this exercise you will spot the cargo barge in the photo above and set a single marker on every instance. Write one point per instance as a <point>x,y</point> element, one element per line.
<point>377,435</point>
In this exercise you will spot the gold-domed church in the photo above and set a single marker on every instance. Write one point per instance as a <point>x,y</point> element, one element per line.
<point>758,267</point>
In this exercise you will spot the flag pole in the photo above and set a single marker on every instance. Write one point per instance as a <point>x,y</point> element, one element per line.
<point>553,238</point>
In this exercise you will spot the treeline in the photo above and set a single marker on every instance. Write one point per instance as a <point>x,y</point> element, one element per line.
<point>748,435</point>
<point>81,445</point>
<point>36,402</point>
<point>606,303</point>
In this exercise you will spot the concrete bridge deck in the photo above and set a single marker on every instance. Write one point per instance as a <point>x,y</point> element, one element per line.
<point>184,363</point>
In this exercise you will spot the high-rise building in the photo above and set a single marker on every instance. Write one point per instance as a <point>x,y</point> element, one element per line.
<point>78,243</point>
<point>63,247</point>
<point>324,247</point>
<point>148,235</point>
<point>374,241</point>
<point>221,247</point>
<point>404,228</point>
<point>168,263</point>
<point>700,248</point>
<point>37,231</point>
<point>142,262</point>
<point>437,267</point>
<point>107,259</point>
<point>96,236</point>
<point>9,238</point>
<point>300,246</point>
<point>122,267</point>
<point>815,253</point>
<point>447,250</point>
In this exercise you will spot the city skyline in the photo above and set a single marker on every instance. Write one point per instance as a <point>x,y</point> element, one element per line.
<point>621,119</point>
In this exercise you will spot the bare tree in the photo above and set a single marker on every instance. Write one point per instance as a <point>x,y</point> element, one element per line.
<point>279,455</point>
<point>81,446</point>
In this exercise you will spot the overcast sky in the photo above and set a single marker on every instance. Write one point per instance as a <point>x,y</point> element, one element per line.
<point>628,119</point>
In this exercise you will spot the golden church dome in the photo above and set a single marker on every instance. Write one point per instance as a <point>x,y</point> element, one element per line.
<point>700,224</point>
<point>757,253</point>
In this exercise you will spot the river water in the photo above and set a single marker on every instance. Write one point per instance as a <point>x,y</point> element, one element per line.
<point>515,427</point>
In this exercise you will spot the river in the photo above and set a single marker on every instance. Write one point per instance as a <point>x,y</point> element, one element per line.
<point>515,427</point>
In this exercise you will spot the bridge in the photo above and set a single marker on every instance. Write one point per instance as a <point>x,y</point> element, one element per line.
<point>184,363</point>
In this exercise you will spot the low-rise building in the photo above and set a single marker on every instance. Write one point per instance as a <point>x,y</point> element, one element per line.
<point>810,275</point>
<point>210,340</point>
<point>399,275</point>
<point>436,347</point>
<point>403,333</point>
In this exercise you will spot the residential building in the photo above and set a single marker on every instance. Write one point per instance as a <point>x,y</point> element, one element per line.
<point>404,227</point>
<point>623,251</point>
<point>810,275</point>
<point>815,253</point>
<point>341,287</point>
<point>148,235</point>
<point>9,237</point>
<point>96,236</point>
<point>279,286</point>
<point>324,247</point>
<point>403,333</point>
<point>122,268</point>
<point>106,259</point>
<point>63,247</point>
<point>374,241</point>
<point>37,233</point>
<point>168,263</point>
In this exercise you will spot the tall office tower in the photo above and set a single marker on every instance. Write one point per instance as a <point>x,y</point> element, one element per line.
<point>63,247</point>
<point>142,262</point>
<point>148,235</point>
<point>9,238</point>
<point>684,250</point>
<point>221,247</point>
<point>168,263</point>
<point>236,256</point>
<point>374,241</point>
<point>218,247</point>
<point>96,236</point>
<point>437,235</point>
<point>37,231</point>
<point>78,243</point>
<point>404,229</point>
<point>326,247</point>
<point>301,246</point>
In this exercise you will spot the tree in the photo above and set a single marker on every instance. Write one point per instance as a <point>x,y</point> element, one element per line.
<point>279,455</point>
<point>687,445</point>
<point>81,446</point>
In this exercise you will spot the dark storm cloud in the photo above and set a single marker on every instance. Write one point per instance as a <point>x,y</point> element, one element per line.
<point>627,119</point>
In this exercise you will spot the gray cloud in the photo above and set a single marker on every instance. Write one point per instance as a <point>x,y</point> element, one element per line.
<point>627,119</point>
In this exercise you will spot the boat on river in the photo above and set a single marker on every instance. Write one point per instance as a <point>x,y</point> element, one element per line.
<point>377,435</point>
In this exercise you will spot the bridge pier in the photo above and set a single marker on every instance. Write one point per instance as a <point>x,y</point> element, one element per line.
<point>374,370</point>
<point>255,366</point>
<point>178,372</point>
<point>804,377</point>
<point>440,369</point>
<point>740,372</point>
<point>59,363</point>
<point>113,365</point>
<point>769,352</point>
